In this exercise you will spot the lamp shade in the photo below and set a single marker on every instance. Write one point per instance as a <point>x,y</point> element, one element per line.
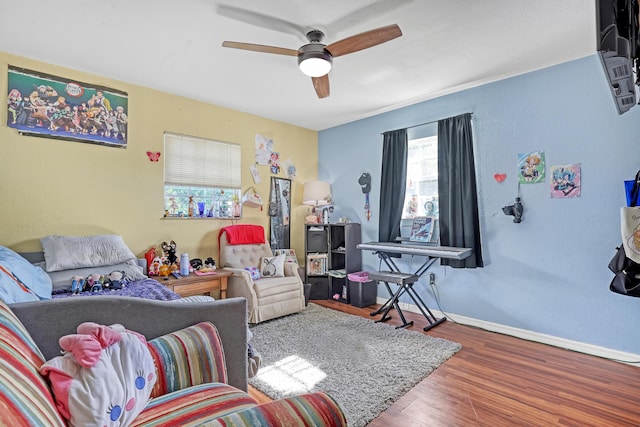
<point>316,193</point>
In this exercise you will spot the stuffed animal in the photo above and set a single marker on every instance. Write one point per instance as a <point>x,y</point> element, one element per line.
<point>196,264</point>
<point>77,284</point>
<point>210,263</point>
<point>164,271</point>
<point>115,280</point>
<point>154,266</point>
<point>170,251</point>
<point>104,378</point>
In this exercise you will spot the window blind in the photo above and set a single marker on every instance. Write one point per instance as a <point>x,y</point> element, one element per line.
<point>191,161</point>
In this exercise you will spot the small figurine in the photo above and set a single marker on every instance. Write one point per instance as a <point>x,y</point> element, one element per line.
<point>154,267</point>
<point>115,280</point>
<point>173,207</point>
<point>192,207</point>
<point>77,283</point>
<point>94,282</point>
<point>165,270</point>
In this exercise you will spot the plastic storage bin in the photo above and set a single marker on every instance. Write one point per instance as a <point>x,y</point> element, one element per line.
<point>362,291</point>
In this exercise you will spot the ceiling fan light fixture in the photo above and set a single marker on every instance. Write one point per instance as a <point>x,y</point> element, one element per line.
<point>314,60</point>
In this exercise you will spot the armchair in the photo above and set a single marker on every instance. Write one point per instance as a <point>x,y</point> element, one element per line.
<point>244,246</point>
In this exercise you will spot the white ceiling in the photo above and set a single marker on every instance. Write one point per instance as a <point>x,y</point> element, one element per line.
<point>175,46</point>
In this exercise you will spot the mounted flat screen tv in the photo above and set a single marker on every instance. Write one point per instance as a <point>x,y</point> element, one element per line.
<point>617,43</point>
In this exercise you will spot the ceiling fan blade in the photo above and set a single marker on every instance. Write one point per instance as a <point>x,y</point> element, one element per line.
<point>321,85</point>
<point>260,48</point>
<point>364,40</point>
<point>261,20</point>
<point>365,13</point>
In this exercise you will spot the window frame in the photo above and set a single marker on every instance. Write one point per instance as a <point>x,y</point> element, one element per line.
<point>187,171</point>
<point>406,221</point>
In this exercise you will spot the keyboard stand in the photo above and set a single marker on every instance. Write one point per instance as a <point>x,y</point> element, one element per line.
<point>405,281</point>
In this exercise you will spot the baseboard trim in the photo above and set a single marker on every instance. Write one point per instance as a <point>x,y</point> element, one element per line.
<point>593,350</point>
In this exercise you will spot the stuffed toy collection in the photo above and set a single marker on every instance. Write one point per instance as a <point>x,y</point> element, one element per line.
<point>157,265</point>
<point>97,282</point>
<point>168,258</point>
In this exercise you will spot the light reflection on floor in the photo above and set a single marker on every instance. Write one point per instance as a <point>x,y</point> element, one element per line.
<point>291,375</point>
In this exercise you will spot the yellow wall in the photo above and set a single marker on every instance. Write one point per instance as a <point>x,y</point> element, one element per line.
<point>52,186</point>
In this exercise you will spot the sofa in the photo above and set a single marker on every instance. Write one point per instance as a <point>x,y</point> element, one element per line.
<point>199,353</point>
<point>272,287</point>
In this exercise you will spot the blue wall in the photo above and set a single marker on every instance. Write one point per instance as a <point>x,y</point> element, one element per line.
<point>549,273</point>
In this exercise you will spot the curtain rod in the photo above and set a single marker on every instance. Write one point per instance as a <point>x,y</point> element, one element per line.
<point>422,124</point>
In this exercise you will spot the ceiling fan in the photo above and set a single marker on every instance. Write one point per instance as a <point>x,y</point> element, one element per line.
<point>315,58</point>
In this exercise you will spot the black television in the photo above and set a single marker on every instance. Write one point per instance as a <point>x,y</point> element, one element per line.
<point>618,49</point>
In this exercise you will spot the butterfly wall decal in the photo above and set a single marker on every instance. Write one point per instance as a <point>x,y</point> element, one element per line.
<point>154,156</point>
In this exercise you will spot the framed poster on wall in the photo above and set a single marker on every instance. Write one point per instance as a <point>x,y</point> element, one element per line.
<point>49,106</point>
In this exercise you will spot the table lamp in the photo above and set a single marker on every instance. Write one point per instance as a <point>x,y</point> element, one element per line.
<point>318,195</point>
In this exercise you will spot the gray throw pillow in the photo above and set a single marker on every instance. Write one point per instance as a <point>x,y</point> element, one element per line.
<point>71,252</point>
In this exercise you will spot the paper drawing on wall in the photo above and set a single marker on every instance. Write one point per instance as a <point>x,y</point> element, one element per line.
<point>255,174</point>
<point>263,146</point>
<point>565,181</point>
<point>54,107</point>
<point>289,168</point>
<point>274,163</point>
<point>531,167</point>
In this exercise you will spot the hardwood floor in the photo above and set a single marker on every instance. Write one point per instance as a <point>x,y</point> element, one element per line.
<point>498,380</point>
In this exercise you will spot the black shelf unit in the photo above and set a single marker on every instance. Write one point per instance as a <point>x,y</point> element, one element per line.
<point>335,243</point>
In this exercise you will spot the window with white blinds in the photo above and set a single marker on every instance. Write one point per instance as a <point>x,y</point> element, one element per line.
<point>202,177</point>
<point>192,161</point>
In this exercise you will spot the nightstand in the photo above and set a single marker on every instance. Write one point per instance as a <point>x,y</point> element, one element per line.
<point>199,285</point>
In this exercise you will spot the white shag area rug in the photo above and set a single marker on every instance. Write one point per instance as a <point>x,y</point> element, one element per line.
<point>365,366</point>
